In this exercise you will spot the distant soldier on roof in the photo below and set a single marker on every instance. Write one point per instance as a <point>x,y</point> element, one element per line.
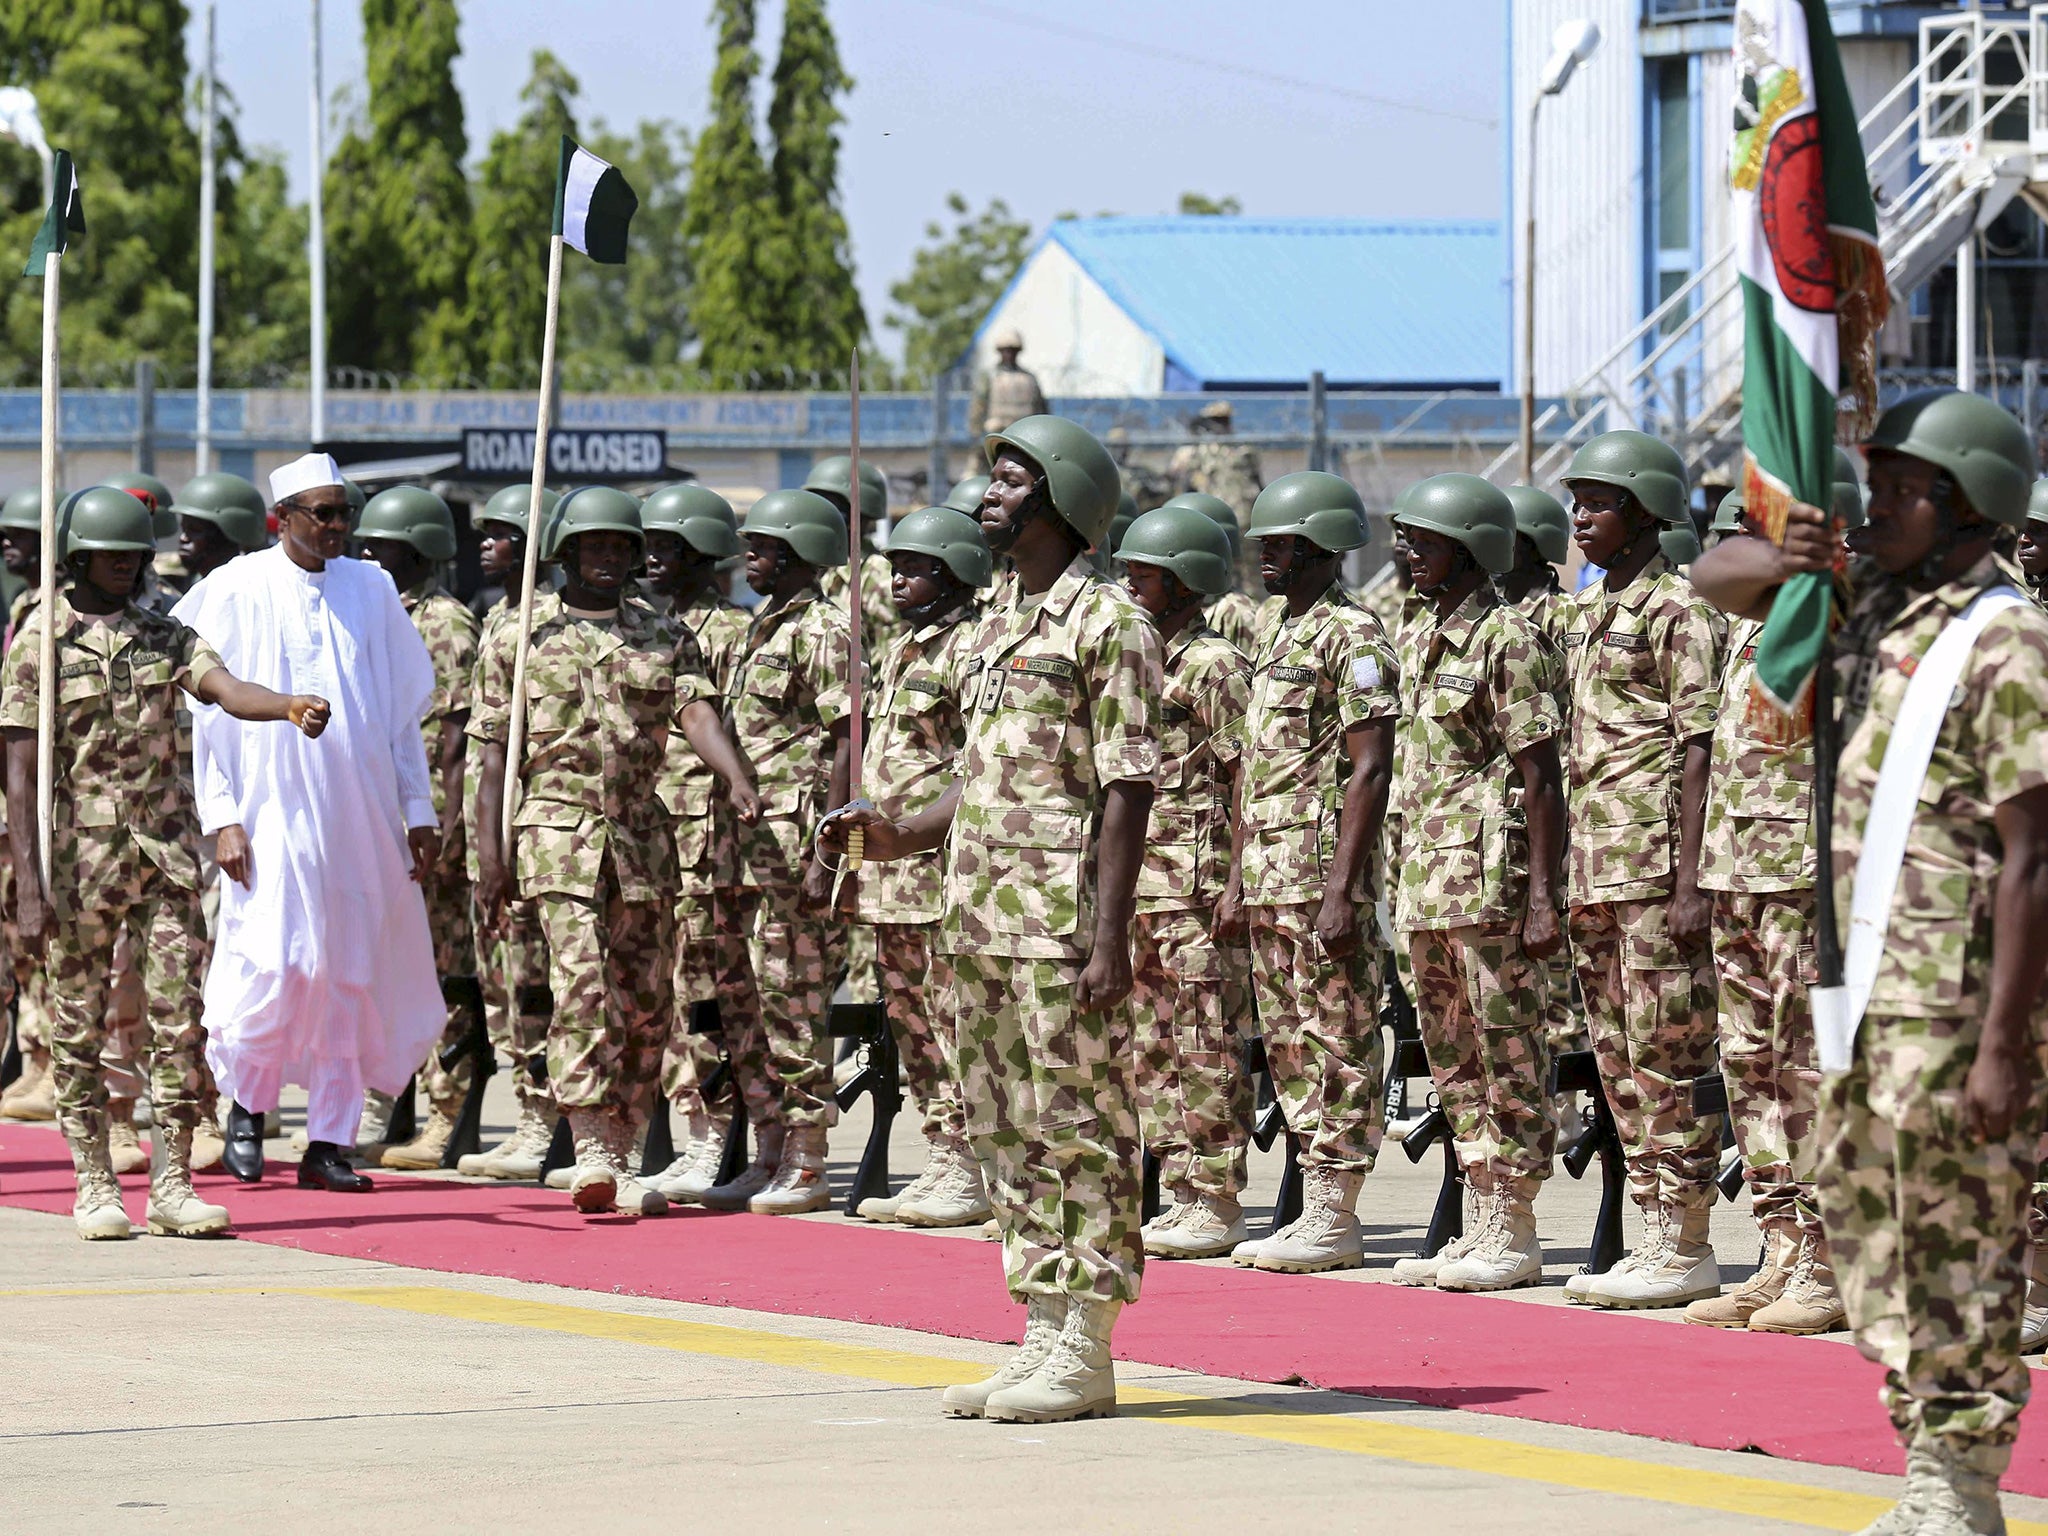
<point>1007,393</point>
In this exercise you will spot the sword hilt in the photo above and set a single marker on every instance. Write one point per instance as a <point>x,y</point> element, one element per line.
<point>856,848</point>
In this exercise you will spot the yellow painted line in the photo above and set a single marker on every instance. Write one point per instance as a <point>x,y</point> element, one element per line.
<point>1749,1497</point>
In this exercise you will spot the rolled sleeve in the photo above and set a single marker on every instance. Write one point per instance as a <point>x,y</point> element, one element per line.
<point>1368,681</point>
<point>18,681</point>
<point>2010,692</point>
<point>1127,668</point>
<point>1525,693</point>
<point>490,698</point>
<point>1692,666</point>
<point>1222,705</point>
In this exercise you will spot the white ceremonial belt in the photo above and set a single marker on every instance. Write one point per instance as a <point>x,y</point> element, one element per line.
<point>1838,1011</point>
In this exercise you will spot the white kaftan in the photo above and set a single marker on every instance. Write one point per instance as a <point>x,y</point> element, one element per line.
<point>323,968</point>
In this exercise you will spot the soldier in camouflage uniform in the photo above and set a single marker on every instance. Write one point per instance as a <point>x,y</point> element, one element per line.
<point>940,561</point>
<point>1191,994</point>
<point>1928,1140</point>
<point>408,531</point>
<point>32,1096</point>
<point>1230,613</point>
<point>1223,469</point>
<point>607,679</point>
<point>789,704</point>
<point>1047,830</point>
<point>1305,868</point>
<point>1007,392</point>
<point>1644,657</point>
<point>1478,788</point>
<point>2033,546</point>
<point>512,957</point>
<point>122,853</point>
<point>691,534</point>
<point>832,479</point>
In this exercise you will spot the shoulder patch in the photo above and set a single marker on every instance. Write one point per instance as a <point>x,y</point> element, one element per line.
<point>1365,671</point>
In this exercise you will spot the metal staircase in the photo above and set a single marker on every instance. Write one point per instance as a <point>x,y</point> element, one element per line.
<point>1948,147</point>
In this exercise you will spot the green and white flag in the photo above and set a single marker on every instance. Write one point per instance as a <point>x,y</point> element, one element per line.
<point>593,204</point>
<point>65,216</point>
<point>1813,297</point>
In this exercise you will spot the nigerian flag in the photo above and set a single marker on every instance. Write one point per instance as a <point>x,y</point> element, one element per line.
<point>1813,297</point>
<point>64,217</point>
<point>593,204</point>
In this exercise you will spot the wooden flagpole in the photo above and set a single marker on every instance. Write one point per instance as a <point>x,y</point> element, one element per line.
<point>46,650</point>
<point>515,735</point>
<point>856,840</point>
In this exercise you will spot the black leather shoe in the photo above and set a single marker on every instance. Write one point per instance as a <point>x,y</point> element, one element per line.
<point>326,1167</point>
<point>243,1155</point>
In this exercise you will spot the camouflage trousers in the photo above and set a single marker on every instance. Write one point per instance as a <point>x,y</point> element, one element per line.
<point>162,921</point>
<point>1052,1118</point>
<point>455,961</point>
<point>1927,1229</point>
<point>513,972</point>
<point>1194,1100</point>
<point>917,989</point>
<point>798,960</point>
<point>608,967</point>
<point>1763,954</point>
<point>713,965</point>
<point>1320,1018</point>
<point>1562,1028</point>
<point>1479,1000</point>
<point>1650,1012</point>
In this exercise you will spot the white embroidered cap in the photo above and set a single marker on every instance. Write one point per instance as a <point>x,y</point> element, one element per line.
<point>308,472</point>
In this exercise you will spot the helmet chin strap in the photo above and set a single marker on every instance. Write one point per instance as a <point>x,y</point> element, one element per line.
<point>1943,495</point>
<point>939,606</point>
<point>81,572</point>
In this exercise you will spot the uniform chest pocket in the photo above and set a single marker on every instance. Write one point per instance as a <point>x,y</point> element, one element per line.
<point>769,677</point>
<point>1288,699</point>
<point>1033,699</point>
<point>1623,668</point>
<point>647,686</point>
<point>1450,726</point>
<point>552,703</point>
<point>81,682</point>
<point>916,697</point>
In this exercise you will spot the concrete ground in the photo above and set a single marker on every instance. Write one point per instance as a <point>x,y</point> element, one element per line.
<point>164,1386</point>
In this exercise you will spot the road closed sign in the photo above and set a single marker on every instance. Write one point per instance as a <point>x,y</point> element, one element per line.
<point>587,453</point>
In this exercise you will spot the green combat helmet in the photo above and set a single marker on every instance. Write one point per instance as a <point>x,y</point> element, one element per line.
<point>2037,503</point>
<point>1081,479</point>
<point>1320,507</point>
<point>1647,469</point>
<point>510,504</point>
<point>697,515</point>
<point>835,475</point>
<point>1216,509</point>
<point>591,509</point>
<point>948,536</point>
<point>230,503</point>
<point>809,524</point>
<point>1183,540</point>
<point>410,514</point>
<point>1981,445</point>
<point>105,517</point>
<point>1467,510</point>
<point>23,511</point>
<point>1544,520</point>
<point>1126,514</point>
<point>1728,515</point>
<point>164,519</point>
<point>966,494</point>
<point>358,498</point>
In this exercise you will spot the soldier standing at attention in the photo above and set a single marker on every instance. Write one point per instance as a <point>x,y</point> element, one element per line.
<point>1479,791</point>
<point>1008,392</point>
<point>1543,535</point>
<point>1644,658</point>
<point>691,532</point>
<point>789,704</point>
<point>1191,992</point>
<point>1929,1136</point>
<point>408,530</point>
<point>1230,613</point>
<point>123,857</point>
<point>2032,557</point>
<point>219,517</point>
<point>607,679</point>
<point>1305,866</point>
<point>941,562</point>
<point>832,479</point>
<point>1047,834</point>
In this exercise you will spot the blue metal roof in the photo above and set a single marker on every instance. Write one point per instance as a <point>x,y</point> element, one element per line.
<point>1245,302</point>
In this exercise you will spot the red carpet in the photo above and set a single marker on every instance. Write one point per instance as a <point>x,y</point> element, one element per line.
<point>1807,1400</point>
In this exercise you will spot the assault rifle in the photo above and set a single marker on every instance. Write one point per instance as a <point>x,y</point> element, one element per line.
<point>880,1079</point>
<point>1268,1126</point>
<point>1575,1072</point>
<point>475,1043</point>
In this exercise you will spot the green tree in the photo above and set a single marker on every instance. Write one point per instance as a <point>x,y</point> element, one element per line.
<point>818,309</point>
<point>953,280</point>
<point>399,232</point>
<point>730,224</point>
<point>628,326</point>
<point>109,78</point>
<point>1196,203</point>
<point>262,297</point>
<point>515,200</point>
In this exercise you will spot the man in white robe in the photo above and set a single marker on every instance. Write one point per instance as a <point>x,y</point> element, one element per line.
<point>323,968</point>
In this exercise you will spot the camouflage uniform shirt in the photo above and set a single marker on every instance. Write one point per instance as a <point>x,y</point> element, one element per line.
<point>915,732</point>
<point>1481,687</point>
<point>707,836</point>
<point>1201,739</point>
<point>1064,691</point>
<point>1759,794</point>
<point>119,796</point>
<point>603,695</point>
<point>1644,663</point>
<point>787,690</point>
<point>449,631</point>
<point>1993,746</point>
<point>1314,678</point>
<point>1236,618</point>
<point>879,625</point>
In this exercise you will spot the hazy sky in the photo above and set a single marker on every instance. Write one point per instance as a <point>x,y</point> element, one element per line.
<point>1372,107</point>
